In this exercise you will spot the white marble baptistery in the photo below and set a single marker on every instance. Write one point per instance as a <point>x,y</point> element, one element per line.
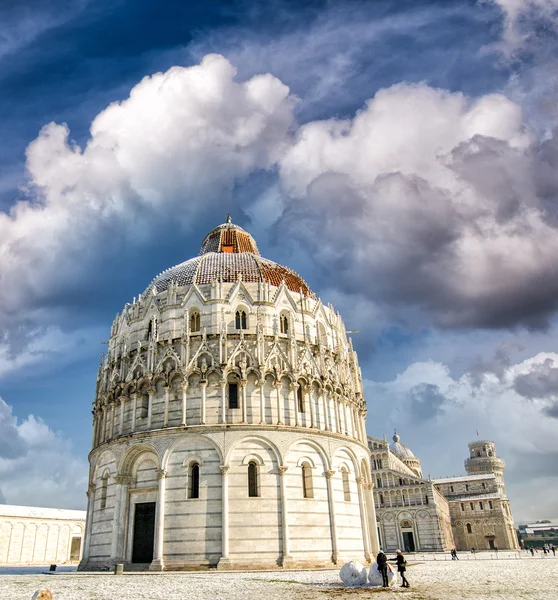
<point>229,423</point>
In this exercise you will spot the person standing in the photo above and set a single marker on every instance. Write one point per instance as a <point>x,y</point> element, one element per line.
<point>553,548</point>
<point>401,568</point>
<point>381,561</point>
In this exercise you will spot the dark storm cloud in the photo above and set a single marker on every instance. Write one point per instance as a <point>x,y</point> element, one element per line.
<point>541,383</point>
<point>497,365</point>
<point>426,401</point>
<point>551,410</point>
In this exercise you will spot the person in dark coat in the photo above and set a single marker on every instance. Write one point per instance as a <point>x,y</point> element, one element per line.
<point>401,568</point>
<point>381,561</point>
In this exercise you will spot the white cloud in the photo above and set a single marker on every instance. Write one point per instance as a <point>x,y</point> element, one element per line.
<point>38,466</point>
<point>425,402</point>
<point>177,145</point>
<point>429,199</point>
<point>520,17</point>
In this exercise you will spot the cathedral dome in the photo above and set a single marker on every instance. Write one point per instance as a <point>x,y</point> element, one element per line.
<point>400,449</point>
<point>229,253</point>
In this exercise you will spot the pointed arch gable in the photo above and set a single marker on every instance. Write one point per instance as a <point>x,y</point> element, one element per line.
<point>238,287</point>
<point>194,293</point>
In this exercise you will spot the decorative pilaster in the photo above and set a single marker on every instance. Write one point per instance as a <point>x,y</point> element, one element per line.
<point>89,521</point>
<point>224,561</point>
<point>158,563</point>
<point>365,537</point>
<point>119,518</point>
<point>372,524</point>
<point>281,469</point>
<point>331,502</point>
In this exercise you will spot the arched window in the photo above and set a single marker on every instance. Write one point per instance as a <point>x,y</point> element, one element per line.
<point>469,528</point>
<point>346,485</point>
<point>252,479</point>
<point>194,487</point>
<point>240,319</point>
<point>300,398</point>
<point>104,486</point>
<point>307,487</point>
<point>152,329</point>
<point>195,320</point>
<point>284,322</point>
<point>378,482</point>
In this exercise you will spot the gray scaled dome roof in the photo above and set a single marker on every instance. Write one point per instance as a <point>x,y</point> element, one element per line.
<point>400,449</point>
<point>229,253</point>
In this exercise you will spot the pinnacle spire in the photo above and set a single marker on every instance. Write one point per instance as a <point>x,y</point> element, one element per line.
<point>229,219</point>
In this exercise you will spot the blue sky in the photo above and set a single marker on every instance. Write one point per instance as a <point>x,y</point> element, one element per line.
<point>400,155</point>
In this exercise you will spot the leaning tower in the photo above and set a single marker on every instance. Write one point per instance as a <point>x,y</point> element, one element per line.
<point>482,459</point>
<point>229,423</point>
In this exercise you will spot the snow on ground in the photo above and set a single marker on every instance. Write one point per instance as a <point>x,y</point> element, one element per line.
<point>431,580</point>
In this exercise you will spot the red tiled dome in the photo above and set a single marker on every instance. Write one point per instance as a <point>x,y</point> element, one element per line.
<point>227,253</point>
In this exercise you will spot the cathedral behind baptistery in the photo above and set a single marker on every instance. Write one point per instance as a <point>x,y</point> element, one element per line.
<point>421,514</point>
<point>229,423</point>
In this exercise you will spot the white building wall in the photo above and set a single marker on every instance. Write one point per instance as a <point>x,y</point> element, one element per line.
<point>34,536</point>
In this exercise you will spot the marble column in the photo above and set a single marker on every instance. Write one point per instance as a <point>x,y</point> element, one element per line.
<point>122,409</point>
<point>134,410</point>
<point>111,427</point>
<point>333,528</point>
<point>345,422</point>
<point>310,393</point>
<point>166,407</point>
<point>158,563</point>
<point>325,403</point>
<point>105,411</point>
<point>95,428</point>
<point>363,520</point>
<point>223,384</point>
<point>278,386</point>
<point>119,518</point>
<point>224,561</point>
<point>337,413</point>
<point>286,558</point>
<point>244,407</point>
<point>262,401</point>
<point>294,389</point>
<point>203,385</point>
<point>150,397</point>
<point>183,422</point>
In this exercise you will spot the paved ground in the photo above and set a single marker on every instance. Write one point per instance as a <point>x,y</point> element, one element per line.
<point>533,579</point>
